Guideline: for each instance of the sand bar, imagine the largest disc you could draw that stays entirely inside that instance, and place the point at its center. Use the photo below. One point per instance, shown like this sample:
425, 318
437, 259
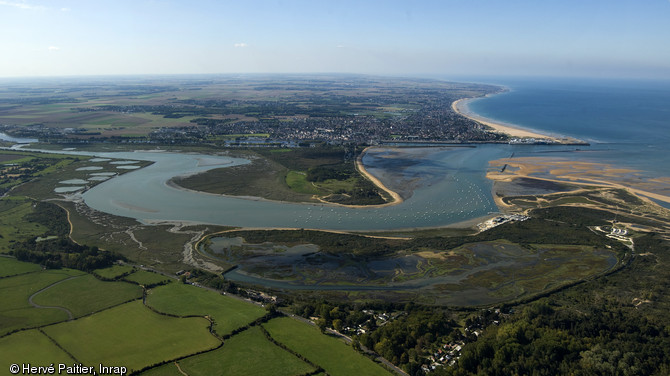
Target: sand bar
572, 172
396, 199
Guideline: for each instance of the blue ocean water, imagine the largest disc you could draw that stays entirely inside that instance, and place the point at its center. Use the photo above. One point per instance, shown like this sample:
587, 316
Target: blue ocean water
627, 122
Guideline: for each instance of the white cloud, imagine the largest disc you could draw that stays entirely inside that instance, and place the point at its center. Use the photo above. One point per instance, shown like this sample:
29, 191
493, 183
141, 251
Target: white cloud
240, 45
64, 9
53, 48
341, 46
21, 5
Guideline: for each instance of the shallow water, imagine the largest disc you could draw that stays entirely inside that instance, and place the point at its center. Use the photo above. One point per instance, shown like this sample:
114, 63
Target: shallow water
450, 187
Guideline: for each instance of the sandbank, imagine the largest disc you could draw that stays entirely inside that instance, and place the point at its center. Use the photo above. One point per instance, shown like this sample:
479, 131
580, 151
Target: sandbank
396, 199
573, 172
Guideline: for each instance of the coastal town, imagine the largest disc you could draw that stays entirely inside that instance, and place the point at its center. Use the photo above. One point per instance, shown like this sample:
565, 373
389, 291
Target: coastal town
269, 112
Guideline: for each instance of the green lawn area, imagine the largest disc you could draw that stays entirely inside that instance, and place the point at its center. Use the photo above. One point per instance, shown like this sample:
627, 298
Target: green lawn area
32, 347
147, 278
114, 271
247, 353
16, 312
133, 336
10, 266
336, 357
297, 181
183, 300
87, 294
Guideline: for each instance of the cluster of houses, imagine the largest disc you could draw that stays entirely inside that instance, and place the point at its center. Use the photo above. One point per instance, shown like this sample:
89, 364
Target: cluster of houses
447, 354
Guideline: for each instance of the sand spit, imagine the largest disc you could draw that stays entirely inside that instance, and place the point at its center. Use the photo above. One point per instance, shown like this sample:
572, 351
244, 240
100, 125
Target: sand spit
395, 197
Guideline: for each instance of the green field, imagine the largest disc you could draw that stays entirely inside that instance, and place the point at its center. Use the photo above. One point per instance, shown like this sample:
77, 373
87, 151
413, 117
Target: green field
32, 347
248, 353
10, 266
322, 350
15, 310
13, 226
297, 181
114, 271
168, 369
87, 294
185, 300
133, 336
147, 278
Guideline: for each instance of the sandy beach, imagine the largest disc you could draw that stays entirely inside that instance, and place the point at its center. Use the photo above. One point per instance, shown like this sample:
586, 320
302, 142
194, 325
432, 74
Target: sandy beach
396, 199
578, 173
460, 107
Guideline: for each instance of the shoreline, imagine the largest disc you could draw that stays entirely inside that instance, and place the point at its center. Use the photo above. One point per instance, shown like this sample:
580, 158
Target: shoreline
460, 107
396, 199
578, 178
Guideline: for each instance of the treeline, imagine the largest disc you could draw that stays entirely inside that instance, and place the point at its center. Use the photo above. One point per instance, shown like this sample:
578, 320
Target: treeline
322, 173
213, 280
64, 253
363, 193
302, 159
60, 252
50, 216
405, 334
614, 325
336, 316
547, 339
408, 340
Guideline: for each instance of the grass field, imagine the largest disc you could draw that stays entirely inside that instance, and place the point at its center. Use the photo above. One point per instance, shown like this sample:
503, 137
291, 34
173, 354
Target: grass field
147, 278
322, 350
169, 369
15, 310
248, 353
184, 300
13, 226
10, 266
87, 294
133, 336
114, 271
32, 347
297, 181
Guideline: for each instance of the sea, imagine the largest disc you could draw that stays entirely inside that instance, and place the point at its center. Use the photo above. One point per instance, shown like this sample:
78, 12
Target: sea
627, 122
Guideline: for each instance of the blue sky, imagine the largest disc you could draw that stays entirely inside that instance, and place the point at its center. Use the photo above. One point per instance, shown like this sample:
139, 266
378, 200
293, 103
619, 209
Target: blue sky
618, 38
